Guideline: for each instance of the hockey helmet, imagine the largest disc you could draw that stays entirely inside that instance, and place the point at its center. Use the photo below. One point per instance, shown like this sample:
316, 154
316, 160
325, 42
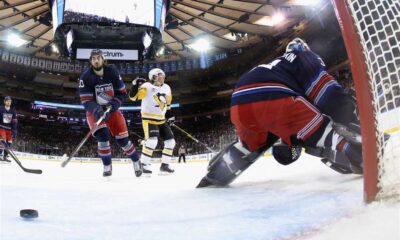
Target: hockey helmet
297, 44
154, 72
96, 52
6, 98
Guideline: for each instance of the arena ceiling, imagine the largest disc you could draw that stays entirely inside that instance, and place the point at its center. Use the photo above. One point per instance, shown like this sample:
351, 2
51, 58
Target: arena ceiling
228, 24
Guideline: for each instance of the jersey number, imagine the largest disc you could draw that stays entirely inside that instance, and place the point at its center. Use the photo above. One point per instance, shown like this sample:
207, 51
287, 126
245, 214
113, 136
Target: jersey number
271, 65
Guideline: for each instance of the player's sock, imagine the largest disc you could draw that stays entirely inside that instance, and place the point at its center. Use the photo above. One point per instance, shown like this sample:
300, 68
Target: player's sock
104, 150
130, 150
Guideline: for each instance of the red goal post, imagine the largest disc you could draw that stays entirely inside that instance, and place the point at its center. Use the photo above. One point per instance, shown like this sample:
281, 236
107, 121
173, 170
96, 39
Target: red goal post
371, 32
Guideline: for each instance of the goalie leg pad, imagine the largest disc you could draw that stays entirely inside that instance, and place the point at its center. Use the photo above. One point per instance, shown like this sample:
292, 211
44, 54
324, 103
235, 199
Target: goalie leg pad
336, 167
337, 161
225, 167
352, 133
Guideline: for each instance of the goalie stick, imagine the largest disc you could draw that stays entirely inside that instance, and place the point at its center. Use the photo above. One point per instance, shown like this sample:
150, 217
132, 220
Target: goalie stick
14, 157
65, 162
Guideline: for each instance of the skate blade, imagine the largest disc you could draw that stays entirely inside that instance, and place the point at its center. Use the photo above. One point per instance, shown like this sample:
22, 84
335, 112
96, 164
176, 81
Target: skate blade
164, 173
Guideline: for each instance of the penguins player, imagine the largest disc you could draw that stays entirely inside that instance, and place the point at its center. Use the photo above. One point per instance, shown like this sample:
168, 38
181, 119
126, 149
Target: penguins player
156, 100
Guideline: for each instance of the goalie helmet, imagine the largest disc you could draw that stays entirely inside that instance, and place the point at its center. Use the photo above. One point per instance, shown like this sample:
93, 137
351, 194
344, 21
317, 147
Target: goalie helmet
154, 72
297, 44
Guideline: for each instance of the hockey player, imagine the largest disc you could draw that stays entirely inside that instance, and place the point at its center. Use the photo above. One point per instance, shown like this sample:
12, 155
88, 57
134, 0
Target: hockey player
286, 99
101, 86
156, 99
8, 127
320, 91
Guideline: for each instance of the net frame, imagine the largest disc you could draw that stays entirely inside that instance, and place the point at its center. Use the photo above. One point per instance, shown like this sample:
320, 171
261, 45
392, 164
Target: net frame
371, 31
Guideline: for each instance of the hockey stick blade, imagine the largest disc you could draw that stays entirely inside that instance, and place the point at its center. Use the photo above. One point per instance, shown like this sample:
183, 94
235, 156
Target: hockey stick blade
14, 157
28, 170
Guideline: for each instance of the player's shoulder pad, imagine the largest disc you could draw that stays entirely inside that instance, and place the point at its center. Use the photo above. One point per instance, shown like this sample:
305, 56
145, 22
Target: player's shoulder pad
112, 68
86, 74
168, 87
146, 85
311, 56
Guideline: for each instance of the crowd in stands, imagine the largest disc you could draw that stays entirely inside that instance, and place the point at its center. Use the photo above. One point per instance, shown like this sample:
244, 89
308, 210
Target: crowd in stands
71, 16
56, 138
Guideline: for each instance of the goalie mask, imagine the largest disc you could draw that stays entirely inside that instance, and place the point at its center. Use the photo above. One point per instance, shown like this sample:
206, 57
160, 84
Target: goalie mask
297, 44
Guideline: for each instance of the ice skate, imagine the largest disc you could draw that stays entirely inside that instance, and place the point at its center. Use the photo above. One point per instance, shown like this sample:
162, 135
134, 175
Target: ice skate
107, 171
165, 169
137, 166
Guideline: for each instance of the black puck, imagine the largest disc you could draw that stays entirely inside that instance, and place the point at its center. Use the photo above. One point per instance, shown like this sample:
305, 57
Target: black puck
28, 213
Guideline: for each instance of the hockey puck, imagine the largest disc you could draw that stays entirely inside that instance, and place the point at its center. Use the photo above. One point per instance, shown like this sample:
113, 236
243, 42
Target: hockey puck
28, 213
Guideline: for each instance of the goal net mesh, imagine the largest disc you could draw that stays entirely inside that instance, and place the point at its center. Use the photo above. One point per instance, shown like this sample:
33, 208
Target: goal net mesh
378, 26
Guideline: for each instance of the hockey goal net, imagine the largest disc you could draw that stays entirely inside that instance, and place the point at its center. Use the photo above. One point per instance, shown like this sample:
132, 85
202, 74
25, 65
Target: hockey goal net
371, 31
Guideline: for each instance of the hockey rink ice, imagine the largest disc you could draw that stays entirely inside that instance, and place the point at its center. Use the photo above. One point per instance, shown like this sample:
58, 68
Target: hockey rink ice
305, 200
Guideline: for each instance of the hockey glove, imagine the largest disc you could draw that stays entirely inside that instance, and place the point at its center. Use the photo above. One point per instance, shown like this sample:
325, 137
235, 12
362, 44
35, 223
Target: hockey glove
115, 103
98, 113
136, 83
14, 134
284, 154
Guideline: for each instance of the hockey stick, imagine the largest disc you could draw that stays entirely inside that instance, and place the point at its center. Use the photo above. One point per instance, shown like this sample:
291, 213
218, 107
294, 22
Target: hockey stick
191, 137
65, 162
137, 135
14, 157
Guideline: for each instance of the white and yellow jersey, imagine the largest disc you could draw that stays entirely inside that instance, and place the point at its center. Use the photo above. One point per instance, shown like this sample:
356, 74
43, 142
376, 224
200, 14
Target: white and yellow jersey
155, 101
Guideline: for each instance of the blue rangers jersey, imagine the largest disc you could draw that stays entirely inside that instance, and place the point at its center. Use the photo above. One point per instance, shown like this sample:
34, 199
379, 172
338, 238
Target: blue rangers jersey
8, 118
97, 90
296, 73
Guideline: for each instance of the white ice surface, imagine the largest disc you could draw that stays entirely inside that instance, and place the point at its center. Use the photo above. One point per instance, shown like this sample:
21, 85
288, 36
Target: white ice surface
305, 200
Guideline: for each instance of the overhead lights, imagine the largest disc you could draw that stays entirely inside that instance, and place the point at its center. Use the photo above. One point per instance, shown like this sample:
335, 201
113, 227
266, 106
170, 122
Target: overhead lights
230, 36
15, 40
54, 48
271, 21
307, 2
201, 45
161, 51
146, 40
277, 18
